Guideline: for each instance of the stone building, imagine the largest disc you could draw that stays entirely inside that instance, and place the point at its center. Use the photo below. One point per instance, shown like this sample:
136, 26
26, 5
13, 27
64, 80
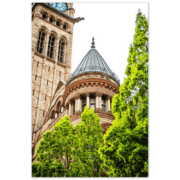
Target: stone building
56, 91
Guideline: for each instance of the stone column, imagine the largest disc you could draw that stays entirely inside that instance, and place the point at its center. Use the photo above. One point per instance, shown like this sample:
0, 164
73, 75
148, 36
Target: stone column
56, 49
87, 100
70, 108
109, 105
46, 44
97, 103
66, 113
62, 109
100, 101
56, 115
106, 104
77, 103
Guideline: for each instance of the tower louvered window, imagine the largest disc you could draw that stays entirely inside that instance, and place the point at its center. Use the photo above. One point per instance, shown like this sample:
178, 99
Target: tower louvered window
40, 42
50, 46
61, 51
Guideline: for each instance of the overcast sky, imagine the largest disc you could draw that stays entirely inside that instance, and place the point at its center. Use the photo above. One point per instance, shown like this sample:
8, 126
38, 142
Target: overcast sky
112, 25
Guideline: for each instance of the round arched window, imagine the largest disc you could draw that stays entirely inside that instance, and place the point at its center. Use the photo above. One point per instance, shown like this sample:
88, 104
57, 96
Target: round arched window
57, 23
64, 26
44, 16
51, 19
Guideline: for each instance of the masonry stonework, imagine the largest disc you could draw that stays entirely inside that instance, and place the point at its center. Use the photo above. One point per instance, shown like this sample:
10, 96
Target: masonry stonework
55, 91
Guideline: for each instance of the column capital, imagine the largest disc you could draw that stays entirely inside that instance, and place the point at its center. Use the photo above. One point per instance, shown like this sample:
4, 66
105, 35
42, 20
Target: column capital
77, 96
69, 102
87, 94
98, 94
109, 97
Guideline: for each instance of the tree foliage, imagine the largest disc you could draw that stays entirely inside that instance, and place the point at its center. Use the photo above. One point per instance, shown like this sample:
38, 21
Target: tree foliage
70, 151
125, 149
89, 138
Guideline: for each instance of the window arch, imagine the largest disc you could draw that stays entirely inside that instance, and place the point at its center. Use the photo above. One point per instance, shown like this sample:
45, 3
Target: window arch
61, 51
51, 46
40, 42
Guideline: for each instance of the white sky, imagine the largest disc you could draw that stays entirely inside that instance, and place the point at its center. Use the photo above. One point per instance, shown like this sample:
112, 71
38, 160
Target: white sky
112, 25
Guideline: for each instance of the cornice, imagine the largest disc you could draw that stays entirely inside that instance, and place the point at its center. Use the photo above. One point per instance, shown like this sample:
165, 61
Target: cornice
87, 81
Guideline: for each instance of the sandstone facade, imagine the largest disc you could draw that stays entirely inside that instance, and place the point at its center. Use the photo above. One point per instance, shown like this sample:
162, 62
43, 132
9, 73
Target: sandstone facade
54, 95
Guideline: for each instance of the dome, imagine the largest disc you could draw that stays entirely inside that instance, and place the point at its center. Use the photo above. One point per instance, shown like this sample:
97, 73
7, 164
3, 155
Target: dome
93, 62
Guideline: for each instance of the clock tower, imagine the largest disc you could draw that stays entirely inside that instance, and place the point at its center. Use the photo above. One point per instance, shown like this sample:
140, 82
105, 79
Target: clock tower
52, 38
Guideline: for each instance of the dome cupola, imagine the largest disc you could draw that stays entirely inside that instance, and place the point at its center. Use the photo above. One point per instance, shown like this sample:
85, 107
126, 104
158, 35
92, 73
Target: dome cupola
93, 62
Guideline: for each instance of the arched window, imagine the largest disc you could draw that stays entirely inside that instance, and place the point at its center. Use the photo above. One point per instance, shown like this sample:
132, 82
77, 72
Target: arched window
53, 115
65, 26
61, 51
51, 19
40, 41
58, 109
57, 23
35, 77
37, 63
50, 46
103, 104
92, 104
83, 103
44, 16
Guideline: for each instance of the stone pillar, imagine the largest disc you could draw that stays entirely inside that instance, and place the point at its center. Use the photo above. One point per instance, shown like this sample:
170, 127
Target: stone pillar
66, 113
100, 101
70, 108
97, 104
46, 44
62, 109
109, 105
77, 103
56, 49
106, 104
87, 100
56, 115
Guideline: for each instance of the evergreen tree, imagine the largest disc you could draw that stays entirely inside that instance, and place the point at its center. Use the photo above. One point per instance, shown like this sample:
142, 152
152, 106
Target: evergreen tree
125, 149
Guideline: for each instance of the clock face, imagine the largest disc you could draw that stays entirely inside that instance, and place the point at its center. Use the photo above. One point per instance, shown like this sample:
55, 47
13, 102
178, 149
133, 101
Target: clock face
59, 6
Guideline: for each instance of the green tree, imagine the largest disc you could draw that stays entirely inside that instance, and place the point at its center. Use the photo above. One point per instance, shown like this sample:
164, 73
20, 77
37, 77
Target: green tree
53, 153
89, 138
125, 150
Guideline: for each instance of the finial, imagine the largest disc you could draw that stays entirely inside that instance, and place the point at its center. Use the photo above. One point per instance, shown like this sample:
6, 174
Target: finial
139, 10
93, 43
